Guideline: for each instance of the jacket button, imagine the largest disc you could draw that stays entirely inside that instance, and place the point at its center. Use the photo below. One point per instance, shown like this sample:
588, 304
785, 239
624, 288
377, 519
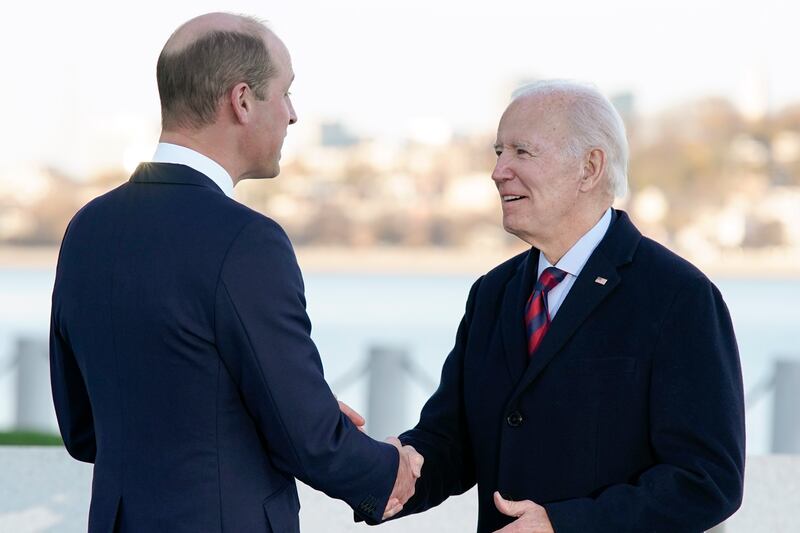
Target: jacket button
514, 419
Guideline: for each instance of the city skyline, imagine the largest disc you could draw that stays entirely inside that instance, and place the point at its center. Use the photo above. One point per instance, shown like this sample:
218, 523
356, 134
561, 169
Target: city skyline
82, 86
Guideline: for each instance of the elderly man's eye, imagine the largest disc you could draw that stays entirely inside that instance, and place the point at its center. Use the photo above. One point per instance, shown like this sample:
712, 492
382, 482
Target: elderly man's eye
522, 151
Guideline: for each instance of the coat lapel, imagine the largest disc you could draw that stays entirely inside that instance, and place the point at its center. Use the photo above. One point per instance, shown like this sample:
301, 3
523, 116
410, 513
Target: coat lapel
512, 319
586, 294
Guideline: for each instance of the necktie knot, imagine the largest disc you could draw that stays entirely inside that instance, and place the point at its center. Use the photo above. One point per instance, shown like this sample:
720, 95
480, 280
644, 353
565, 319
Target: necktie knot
551, 276
537, 316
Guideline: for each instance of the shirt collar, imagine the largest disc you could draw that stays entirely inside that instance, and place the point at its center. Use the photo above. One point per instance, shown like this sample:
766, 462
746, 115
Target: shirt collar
173, 153
577, 256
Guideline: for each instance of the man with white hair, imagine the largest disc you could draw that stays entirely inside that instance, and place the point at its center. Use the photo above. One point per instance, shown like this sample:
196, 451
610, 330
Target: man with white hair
595, 383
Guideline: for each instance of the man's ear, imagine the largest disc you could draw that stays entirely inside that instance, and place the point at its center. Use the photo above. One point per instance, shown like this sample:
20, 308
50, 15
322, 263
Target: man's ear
593, 169
241, 102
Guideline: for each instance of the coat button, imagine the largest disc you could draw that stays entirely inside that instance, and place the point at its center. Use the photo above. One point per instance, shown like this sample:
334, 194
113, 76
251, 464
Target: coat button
514, 419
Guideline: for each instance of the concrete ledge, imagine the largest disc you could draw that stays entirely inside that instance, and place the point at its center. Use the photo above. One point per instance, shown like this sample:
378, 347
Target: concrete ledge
42, 489
771, 496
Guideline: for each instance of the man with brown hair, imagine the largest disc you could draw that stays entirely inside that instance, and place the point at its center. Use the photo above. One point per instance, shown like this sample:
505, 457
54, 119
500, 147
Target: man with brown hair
182, 365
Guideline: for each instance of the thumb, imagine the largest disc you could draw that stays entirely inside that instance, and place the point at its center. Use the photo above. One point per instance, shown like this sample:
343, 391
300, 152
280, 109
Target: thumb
508, 507
394, 441
417, 460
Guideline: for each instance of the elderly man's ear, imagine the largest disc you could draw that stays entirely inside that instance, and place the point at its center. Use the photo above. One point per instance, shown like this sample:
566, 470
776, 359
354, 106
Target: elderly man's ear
594, 168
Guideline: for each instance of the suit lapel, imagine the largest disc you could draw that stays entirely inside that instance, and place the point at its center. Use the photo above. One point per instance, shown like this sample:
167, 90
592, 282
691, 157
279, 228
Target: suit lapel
616, 249
512, 319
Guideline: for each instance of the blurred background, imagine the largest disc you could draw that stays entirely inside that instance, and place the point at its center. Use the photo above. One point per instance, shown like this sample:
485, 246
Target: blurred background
385, 187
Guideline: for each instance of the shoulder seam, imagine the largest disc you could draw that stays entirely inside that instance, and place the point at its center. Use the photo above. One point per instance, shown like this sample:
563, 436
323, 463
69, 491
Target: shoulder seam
219, 272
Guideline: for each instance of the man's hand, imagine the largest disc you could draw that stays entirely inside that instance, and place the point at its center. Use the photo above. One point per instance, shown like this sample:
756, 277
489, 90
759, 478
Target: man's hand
530, 517
353, 415
408, 471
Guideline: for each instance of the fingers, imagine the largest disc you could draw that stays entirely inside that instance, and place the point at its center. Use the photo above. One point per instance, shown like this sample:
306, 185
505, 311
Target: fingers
353, 415
392, 508
508, 507
414, 458
389, 514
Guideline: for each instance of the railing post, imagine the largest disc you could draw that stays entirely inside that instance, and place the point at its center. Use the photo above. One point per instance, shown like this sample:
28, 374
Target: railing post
786, 408
387, 391
34, 398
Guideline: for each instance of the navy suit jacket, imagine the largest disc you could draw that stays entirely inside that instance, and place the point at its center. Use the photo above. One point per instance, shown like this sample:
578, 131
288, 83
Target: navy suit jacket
182, 367
629, 417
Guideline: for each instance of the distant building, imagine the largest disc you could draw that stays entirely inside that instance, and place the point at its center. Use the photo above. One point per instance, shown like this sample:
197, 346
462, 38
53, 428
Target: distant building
625, 104
336, 135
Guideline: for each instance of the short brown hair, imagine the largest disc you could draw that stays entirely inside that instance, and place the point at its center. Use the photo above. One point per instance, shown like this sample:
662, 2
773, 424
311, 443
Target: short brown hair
193, 80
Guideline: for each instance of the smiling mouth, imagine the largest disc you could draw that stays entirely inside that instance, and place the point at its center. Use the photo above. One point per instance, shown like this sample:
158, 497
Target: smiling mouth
508, 198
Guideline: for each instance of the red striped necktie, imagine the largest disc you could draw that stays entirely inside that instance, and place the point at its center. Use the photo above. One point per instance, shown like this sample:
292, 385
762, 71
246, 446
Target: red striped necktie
537, 316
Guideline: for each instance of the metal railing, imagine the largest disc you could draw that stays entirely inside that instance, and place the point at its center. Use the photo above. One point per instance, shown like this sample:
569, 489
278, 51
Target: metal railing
34, 495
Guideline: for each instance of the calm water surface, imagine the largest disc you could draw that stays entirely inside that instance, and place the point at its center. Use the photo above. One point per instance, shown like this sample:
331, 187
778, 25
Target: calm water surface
351, 312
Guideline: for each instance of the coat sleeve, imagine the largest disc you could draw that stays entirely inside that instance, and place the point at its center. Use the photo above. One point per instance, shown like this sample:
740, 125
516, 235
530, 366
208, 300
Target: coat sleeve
696, 430
441, 434
70, 397
263, 335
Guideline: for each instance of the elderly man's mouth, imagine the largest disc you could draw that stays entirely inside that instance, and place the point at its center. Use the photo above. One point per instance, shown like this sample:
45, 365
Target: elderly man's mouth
507, 198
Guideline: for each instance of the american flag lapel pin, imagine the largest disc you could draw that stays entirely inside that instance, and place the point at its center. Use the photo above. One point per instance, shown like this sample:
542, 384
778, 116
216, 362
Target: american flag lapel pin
600, 280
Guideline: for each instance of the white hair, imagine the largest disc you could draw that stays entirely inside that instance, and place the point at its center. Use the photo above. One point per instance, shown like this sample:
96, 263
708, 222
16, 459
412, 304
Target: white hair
594, 122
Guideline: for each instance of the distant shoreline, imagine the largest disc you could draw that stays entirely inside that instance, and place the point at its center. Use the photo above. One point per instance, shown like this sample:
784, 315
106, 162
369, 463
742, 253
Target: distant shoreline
770, 264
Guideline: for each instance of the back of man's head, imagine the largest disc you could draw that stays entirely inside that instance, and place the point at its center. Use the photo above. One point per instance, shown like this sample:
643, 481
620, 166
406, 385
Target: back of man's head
203, 60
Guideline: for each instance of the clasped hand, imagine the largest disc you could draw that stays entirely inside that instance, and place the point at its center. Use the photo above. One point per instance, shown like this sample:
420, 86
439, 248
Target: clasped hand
408, 471
409, 468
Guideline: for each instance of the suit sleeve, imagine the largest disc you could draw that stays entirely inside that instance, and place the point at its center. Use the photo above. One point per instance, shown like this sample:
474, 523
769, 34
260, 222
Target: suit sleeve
263, 335
70, 397
696, 433
441, 434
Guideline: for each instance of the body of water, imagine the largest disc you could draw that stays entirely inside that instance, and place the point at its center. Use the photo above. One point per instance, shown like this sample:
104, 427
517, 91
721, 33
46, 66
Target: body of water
351, 312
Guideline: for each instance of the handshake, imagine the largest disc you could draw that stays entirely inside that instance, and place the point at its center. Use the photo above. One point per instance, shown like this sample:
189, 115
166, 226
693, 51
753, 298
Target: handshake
409, 468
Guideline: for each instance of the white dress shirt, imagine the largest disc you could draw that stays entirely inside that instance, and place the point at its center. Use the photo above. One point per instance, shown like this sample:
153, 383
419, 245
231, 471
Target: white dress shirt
573, 261
173, 153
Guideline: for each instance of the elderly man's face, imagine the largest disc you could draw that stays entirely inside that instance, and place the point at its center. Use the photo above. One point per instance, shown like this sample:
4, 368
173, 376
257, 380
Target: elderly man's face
536, 177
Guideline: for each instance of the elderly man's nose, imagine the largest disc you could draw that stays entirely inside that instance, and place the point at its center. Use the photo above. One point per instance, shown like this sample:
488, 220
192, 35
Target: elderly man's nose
501, 171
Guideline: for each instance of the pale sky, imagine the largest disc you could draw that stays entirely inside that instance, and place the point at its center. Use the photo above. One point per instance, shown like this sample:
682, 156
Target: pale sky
79, 84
